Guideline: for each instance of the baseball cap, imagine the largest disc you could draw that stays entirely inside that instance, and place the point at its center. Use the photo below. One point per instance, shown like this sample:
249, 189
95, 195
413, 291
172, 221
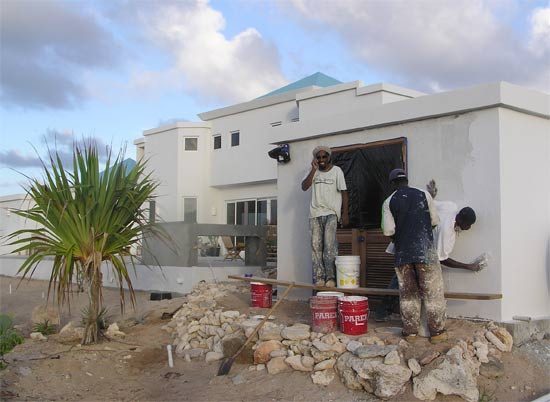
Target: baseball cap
397, 174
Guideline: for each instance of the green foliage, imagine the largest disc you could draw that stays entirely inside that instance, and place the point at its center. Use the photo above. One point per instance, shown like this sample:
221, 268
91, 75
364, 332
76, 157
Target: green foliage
9, 337
85, 217
102, 317
45, 328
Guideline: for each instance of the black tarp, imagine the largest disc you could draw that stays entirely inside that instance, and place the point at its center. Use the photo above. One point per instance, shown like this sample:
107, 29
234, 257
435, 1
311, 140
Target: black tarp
366, 170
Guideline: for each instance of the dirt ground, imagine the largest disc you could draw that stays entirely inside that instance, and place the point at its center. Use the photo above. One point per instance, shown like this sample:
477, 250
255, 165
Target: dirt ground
136, 368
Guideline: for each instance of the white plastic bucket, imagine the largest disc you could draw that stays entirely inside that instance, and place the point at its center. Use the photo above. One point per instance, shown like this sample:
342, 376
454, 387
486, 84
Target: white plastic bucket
347, 271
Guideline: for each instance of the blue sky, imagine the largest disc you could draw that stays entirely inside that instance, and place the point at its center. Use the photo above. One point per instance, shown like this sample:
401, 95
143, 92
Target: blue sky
111, 69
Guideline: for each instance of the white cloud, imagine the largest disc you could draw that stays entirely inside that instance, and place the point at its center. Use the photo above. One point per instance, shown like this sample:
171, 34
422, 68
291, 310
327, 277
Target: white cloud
540, 32
206, 62
47, 46
434, 44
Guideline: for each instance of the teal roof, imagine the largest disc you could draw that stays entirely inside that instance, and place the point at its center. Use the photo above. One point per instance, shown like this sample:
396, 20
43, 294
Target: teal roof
317, 79
128, 163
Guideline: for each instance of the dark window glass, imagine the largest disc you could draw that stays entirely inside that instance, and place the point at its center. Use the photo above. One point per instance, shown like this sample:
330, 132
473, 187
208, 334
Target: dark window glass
273, 218
190, 210
217, 142
231, 213
262, 212
235, 138
191, 144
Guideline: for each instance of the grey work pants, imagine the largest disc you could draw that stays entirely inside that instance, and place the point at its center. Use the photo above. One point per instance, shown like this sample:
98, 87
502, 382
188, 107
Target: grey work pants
323, 247
417, 283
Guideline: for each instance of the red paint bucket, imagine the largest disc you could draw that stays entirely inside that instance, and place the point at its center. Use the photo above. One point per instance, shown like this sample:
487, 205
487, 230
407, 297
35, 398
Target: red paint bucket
354, 312
260, 295
324, 314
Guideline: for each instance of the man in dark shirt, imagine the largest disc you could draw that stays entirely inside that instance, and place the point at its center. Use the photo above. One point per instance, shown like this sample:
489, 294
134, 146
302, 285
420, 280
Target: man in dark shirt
408, 216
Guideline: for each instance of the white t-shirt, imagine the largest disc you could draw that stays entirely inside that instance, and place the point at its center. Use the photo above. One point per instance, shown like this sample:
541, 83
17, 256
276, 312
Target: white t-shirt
326, 196
444, 233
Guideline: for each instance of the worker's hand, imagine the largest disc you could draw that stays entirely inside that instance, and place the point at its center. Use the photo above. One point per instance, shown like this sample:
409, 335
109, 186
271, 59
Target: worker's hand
480, 262
314, 164
345, 220
432, 188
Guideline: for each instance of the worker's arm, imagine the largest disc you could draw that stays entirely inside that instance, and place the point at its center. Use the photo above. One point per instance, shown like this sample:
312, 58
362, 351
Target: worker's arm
431, 207
449, 262
345, 216
477, 265
308, 181
388, 223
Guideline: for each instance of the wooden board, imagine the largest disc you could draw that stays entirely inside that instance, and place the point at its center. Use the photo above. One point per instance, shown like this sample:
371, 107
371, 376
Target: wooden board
366, 291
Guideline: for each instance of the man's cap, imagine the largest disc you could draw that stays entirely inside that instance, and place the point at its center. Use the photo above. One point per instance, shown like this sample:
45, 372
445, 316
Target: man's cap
320, 148
397, 174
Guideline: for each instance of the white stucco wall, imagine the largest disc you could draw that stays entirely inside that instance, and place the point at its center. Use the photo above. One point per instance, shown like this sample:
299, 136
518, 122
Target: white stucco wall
10, 222
525, 179
168, 278
449, 149
180, 173
248, 162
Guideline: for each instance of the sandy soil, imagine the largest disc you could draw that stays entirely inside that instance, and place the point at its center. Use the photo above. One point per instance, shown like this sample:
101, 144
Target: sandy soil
136, 369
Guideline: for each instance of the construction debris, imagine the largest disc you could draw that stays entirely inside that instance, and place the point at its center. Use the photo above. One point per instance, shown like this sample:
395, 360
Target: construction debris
200, 330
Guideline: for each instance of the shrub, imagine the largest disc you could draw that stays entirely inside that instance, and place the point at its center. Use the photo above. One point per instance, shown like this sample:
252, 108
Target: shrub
45, 328
9, 337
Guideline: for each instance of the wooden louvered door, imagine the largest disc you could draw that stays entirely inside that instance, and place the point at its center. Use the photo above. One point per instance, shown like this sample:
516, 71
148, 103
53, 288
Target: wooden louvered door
376, 265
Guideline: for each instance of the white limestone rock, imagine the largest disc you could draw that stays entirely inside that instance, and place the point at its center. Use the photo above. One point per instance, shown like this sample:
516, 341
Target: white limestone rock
296, 332
414, 366
323, 377
277, 365
325, 365
456, 375
300, 363
213, 356
392, 358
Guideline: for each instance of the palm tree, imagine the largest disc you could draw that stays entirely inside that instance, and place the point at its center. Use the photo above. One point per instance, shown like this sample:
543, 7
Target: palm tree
84, 218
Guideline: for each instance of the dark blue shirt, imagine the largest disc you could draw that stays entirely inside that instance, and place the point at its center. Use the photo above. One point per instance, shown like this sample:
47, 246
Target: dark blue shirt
413, 236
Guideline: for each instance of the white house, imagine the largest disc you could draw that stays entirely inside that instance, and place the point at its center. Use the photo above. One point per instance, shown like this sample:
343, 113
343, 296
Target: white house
486, 146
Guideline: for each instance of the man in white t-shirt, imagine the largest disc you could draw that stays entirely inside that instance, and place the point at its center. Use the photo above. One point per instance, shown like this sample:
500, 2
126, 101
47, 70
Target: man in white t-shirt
451, 223
329, 204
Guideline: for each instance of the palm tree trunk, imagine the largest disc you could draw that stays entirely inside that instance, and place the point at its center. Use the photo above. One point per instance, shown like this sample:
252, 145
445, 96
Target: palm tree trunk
91, 332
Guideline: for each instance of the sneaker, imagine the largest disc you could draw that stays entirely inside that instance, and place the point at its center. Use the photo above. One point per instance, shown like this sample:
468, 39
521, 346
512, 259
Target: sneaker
330, 284
320, 283
441, 337
411, 338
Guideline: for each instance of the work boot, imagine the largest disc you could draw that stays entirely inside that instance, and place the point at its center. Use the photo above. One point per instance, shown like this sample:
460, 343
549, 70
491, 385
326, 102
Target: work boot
441, 337
330, 283
320, 283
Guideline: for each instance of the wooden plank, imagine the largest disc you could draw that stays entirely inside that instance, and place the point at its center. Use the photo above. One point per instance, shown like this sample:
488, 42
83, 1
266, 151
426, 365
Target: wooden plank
366, 291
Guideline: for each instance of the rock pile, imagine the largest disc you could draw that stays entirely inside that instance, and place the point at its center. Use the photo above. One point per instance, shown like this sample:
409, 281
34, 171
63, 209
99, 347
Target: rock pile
379, 366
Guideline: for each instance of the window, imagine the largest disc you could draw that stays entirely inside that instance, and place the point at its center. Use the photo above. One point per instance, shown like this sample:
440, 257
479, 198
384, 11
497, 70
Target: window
235, 138
191, 143
190, 210
366, 168
217, 141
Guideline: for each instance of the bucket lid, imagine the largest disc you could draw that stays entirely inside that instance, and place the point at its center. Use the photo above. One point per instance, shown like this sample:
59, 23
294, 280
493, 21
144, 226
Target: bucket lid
353, 299
259, 283
330, 294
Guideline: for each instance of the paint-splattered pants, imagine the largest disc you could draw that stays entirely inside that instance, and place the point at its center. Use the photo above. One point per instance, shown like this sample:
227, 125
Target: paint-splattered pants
323, 247
417, 283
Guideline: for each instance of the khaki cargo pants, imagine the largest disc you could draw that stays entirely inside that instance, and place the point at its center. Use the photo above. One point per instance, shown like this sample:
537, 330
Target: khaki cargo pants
417, 283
